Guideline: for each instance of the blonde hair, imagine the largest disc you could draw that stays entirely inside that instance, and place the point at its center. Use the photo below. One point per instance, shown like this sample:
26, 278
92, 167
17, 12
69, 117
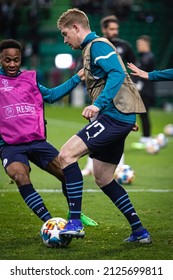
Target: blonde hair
71, 16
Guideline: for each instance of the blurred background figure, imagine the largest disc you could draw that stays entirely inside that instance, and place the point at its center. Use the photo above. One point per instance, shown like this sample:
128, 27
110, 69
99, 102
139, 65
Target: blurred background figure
9, 18
33, 19
146, 62
110, 30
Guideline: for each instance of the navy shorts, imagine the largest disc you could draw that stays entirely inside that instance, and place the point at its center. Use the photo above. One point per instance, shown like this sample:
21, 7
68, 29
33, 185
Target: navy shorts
105, 138
38, 152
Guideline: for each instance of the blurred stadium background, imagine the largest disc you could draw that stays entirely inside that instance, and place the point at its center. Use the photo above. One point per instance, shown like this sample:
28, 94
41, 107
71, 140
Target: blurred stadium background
33, 23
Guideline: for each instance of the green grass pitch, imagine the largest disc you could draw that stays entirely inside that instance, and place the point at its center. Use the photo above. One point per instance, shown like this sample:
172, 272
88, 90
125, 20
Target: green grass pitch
151, 193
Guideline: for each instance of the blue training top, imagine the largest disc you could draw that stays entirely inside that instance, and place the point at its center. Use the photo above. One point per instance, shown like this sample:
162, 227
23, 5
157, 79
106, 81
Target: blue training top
105, 63
161, 75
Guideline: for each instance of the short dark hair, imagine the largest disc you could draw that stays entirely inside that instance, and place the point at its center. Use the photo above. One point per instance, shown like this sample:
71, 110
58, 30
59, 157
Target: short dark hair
146, 38
106, 20
10, 43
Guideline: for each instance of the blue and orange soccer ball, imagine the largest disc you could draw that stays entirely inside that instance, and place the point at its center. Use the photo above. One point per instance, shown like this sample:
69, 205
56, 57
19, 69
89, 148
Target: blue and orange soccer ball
50, 233
124, 174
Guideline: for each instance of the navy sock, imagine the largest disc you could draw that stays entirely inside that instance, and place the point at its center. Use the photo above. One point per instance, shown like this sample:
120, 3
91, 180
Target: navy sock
74, 185
64, 190
120, 198
34, 202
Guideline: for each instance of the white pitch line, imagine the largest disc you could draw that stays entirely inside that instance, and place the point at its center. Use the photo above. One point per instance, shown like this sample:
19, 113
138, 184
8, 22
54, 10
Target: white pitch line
92, 190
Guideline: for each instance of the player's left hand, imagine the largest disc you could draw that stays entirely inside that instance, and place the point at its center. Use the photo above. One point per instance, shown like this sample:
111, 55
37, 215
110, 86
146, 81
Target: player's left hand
90, 112
135, 127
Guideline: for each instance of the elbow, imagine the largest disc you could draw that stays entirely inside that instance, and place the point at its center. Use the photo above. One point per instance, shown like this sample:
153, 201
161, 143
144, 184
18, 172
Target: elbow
121, 74
122, 77
51, 101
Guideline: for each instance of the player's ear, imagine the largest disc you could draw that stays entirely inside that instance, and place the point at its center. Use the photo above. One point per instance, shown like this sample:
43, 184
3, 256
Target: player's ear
75, 27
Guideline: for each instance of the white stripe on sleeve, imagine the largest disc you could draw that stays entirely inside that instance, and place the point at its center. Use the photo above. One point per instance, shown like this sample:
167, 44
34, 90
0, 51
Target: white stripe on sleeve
104, 56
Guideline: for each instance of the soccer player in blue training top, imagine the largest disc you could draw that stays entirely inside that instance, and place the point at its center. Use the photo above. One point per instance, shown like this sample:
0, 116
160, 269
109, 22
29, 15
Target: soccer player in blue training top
104, 137
110, 30
22, 126
156, 75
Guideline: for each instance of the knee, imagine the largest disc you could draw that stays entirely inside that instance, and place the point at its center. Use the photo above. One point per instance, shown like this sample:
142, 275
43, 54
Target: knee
102, 181
20, 177
99, 181
64, 158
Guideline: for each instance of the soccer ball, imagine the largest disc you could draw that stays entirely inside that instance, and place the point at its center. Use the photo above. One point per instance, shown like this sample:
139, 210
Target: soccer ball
124, 174
161, 140
50, 233
168, 129
152, 147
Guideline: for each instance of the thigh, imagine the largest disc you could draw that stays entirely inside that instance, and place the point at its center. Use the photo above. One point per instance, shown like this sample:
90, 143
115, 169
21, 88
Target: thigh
110, 153
16, 164
41, 153
14, 153
103, 132
72, 150
105, 138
